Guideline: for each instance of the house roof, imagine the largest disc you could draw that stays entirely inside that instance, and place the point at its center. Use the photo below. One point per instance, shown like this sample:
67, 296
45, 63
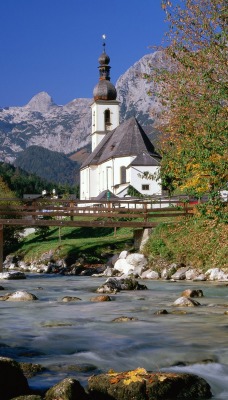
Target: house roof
146, 159
103, 196
128, 139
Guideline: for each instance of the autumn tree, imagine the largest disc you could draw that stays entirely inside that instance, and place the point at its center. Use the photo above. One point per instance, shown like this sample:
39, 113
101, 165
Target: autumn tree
11, 235
194, 93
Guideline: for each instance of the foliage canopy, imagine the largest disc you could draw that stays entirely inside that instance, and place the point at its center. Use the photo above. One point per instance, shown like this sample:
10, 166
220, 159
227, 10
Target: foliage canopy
195, 94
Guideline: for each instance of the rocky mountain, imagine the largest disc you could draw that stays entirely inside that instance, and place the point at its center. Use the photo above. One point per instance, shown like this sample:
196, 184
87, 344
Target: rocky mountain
67, 128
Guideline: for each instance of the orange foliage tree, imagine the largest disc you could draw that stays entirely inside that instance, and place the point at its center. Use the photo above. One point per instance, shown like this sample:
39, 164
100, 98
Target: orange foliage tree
194, 91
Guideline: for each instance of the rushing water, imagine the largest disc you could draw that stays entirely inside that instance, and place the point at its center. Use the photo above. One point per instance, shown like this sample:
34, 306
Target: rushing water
62, 335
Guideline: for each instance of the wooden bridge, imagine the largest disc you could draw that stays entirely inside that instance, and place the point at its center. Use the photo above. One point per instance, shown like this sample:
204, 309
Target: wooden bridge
88, 213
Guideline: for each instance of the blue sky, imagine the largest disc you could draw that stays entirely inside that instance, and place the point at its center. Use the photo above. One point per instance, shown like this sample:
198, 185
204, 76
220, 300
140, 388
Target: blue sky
54, 45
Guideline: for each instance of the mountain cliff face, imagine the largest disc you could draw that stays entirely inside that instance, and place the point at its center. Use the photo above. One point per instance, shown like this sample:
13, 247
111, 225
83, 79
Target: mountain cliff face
133, 89
67, 128
43, 123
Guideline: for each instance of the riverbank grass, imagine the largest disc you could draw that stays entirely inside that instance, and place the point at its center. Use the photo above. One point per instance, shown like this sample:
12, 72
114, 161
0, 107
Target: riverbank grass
201, 243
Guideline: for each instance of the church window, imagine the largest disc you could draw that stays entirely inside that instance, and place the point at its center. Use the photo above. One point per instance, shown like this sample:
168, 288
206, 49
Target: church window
145, 187
107, 119
122, 174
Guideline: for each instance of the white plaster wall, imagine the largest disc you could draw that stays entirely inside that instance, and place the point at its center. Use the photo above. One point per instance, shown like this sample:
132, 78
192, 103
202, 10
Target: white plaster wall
98, 109
96, 179
137, 181
84, 189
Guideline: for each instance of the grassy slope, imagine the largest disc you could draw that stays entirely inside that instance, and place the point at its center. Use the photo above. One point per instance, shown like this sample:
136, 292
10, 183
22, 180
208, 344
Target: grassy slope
197, 242
94, 244
201, 243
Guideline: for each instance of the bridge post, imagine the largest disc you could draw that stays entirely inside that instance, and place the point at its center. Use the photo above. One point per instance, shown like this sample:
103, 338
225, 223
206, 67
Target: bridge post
140, 237
1, 248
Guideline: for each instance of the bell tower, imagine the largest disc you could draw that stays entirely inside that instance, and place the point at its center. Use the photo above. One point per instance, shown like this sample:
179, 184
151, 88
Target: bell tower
105, 108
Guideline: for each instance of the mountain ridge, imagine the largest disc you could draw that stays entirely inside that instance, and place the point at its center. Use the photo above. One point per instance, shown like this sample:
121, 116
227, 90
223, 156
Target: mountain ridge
67, 128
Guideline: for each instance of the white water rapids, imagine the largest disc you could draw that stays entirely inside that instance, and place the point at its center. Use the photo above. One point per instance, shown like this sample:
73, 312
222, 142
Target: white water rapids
61, 335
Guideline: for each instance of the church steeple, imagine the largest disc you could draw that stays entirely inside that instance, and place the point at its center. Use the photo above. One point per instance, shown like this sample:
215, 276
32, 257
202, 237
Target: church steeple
104, 90
105, 108
104, 67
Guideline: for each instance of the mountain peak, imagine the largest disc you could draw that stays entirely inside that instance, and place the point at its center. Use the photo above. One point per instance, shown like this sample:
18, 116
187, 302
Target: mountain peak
41, 102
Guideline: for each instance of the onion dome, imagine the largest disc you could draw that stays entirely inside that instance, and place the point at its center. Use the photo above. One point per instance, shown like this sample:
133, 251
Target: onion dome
104, 59
104, 90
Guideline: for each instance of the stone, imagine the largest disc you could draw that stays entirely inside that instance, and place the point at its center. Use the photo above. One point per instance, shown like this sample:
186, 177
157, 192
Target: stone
12, 275
149, 274
185, 302
124, 319
167, 272
216, 274
191, 274
68, 299
137, 260
30, 370
21, 295
124, 267
110, 272
192, 293
180, 274
200, 278
12, 381
123, 254
114, 285
67, 389
100, 298
161, 312
142, 385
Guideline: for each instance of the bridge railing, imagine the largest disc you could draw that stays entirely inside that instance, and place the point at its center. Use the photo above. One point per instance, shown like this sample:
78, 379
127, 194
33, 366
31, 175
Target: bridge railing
11, 209
81, 213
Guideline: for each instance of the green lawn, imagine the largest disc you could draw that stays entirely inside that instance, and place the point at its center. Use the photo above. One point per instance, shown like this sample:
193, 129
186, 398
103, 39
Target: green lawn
94, 244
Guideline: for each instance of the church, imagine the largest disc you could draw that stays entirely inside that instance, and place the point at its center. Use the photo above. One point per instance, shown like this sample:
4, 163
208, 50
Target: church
122, 155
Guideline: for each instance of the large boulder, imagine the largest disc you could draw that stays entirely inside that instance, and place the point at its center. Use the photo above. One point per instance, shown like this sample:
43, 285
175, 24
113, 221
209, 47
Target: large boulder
67, 389
216, 274
168, 271
192, 293
114, 285
142, 385
185, 302
191, 274
12, 275
149, 274
131, 264
180, 274
20, 295
12, 381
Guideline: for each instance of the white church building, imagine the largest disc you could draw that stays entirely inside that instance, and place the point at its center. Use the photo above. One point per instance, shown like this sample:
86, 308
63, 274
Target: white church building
122, 154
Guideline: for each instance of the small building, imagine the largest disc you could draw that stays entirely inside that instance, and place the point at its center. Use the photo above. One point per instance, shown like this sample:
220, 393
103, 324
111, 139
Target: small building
122, 154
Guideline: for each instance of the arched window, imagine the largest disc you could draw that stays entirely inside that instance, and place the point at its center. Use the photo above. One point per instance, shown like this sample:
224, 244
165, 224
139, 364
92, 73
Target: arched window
122, 174
107, 119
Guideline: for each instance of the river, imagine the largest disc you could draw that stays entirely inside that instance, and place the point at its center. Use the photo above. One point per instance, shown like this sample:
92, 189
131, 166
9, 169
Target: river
62, 335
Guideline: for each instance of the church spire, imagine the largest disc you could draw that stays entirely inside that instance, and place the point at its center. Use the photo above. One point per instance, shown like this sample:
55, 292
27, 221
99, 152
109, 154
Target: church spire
104, 90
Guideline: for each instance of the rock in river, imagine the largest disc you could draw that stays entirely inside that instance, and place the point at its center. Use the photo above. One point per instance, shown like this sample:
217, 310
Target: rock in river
114, 285
20, 295
142, 385
67, 389
12, 275
12, 381
185, 302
